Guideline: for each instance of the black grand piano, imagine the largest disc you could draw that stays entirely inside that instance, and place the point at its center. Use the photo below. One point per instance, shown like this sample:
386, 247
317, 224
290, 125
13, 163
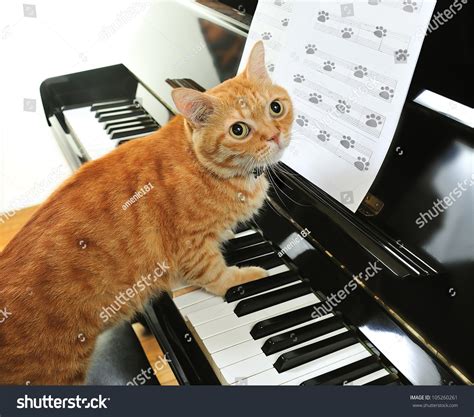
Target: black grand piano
355, 299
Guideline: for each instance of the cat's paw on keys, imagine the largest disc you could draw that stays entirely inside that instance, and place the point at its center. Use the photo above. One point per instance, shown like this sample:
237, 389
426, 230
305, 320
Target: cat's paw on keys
252, 273
236, 276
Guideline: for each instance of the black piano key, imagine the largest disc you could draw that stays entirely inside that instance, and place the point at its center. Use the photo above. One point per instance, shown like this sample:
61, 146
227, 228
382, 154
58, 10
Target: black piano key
283, 321
121, 115
248, 253
347, 373
390, 379
268, 261
242, 242
145, 118
272, 298
314, 351
303, 334
255, 287
188, 82
129, 124
115, 109
111, 104
133, 132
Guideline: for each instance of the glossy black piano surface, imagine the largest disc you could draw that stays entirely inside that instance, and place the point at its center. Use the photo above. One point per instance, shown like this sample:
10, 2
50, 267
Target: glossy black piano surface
417, 311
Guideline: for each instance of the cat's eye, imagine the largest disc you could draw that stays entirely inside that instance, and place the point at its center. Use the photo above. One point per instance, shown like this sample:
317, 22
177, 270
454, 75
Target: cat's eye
239, 130
276, 108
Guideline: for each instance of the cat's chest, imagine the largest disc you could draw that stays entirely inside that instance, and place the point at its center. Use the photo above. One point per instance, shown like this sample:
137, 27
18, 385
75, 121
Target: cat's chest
249, 197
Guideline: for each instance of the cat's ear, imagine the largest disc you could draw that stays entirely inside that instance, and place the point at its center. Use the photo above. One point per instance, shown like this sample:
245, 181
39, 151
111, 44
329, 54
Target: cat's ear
256, 69
195, 106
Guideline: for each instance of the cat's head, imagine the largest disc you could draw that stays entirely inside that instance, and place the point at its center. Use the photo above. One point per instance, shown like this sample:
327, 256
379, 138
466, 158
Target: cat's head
242, 124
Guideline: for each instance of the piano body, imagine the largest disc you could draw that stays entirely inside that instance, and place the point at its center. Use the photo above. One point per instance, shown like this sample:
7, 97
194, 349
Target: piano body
364, 298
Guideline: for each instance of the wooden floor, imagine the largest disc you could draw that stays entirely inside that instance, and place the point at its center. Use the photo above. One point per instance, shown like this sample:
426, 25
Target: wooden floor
10, 226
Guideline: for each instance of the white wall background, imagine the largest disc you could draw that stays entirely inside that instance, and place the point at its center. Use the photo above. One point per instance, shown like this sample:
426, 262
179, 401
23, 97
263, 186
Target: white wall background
40, 39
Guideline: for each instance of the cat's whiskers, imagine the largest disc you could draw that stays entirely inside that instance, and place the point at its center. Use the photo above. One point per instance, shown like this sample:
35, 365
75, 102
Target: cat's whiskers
272, 169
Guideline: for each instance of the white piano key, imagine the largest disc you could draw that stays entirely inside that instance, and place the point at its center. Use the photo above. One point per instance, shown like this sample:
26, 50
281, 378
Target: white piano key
244, 233
312, 374
113, 109
231, 321
368, 378
223, 309
89, 132
191, 298
277, 270
304, 372
239, 334
251, 347
127, 124
200, 306
260, 363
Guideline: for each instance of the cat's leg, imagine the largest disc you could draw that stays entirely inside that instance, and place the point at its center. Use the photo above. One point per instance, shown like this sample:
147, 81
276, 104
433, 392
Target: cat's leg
207, 268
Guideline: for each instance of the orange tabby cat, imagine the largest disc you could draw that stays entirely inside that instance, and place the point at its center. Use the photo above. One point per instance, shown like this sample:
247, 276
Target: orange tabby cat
94, 239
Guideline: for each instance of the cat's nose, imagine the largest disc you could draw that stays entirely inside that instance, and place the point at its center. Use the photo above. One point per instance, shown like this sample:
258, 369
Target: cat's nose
275, 138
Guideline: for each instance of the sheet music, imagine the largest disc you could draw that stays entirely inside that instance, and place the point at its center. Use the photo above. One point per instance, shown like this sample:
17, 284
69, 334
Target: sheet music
347, 66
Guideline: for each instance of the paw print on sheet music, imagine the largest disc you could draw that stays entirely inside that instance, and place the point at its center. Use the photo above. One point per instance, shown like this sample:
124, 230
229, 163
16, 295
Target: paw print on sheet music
343, 107
347, 142
266, 36
373, 120
279, 2
409, 6
401, 56
284, 22
380, 31
360, 71
315, 98
323, 136
374, 2
298, 78
302, 121
361, 164
323, 16
386, 92
271, 67
310, 48
347, 33
328, 66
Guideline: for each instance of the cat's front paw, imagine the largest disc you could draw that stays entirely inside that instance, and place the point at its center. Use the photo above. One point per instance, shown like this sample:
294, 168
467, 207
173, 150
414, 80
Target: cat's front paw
252, 273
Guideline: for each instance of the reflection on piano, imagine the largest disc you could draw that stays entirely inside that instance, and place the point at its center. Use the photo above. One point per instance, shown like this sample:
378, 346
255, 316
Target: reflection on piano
317, 319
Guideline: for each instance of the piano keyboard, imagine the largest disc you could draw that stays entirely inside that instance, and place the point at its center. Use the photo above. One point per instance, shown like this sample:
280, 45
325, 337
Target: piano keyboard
99, 128
264, 333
